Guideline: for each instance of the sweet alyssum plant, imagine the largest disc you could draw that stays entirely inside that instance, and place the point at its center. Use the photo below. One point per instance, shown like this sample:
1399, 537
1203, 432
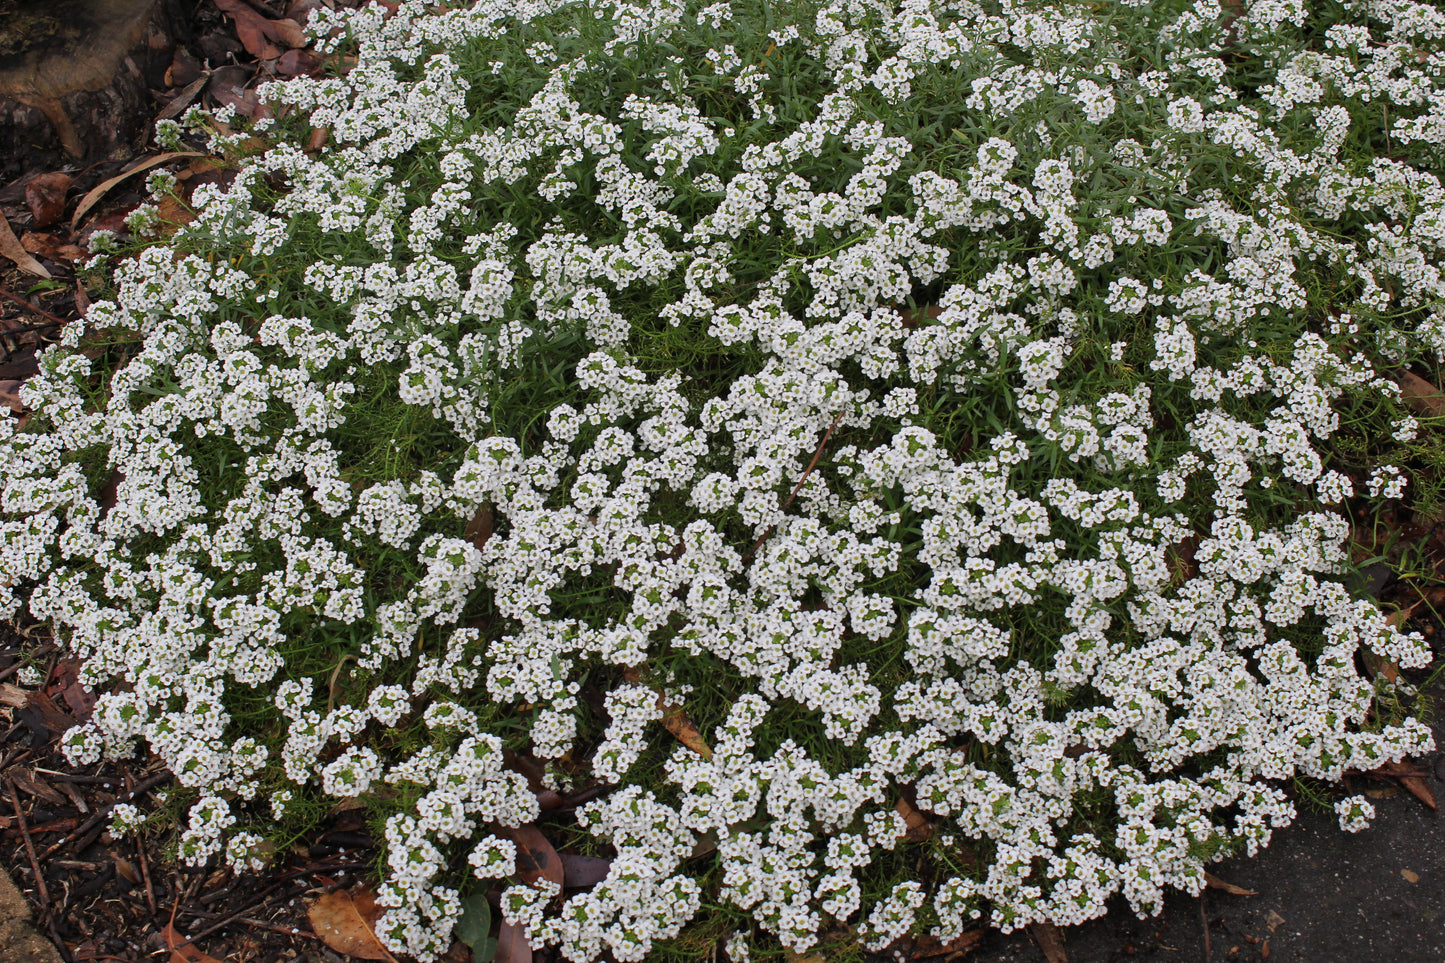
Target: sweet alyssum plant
934, 396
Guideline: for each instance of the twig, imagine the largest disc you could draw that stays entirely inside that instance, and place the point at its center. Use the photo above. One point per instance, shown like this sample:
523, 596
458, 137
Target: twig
9, 761
237, 916
29, 849
94, 821
799, 486
145, 875
32, 308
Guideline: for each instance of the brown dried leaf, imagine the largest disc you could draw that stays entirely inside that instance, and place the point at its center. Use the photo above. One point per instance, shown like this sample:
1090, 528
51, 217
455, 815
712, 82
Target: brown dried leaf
927, 947
1050, 941
479, 529
10, 247
1420, 394
10, 396
918, 827
294, 63
172, 215
346, 922
127, 871
101, 189
536, 859
1412, 780
256, 32
51, 246
512, 945
581, 872
1214, 882
45, 196
181, 951
677, 723
28, 781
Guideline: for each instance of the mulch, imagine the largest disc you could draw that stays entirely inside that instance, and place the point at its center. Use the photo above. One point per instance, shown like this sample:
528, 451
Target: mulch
103, 898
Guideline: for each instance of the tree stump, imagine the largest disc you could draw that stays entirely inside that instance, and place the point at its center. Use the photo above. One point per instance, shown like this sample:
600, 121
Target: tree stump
78, 74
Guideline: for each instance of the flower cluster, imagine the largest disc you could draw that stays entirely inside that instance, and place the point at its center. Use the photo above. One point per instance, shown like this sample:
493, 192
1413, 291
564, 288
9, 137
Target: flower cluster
925, 399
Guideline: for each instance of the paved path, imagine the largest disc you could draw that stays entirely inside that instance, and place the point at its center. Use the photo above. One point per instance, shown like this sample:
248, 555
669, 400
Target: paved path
19, 941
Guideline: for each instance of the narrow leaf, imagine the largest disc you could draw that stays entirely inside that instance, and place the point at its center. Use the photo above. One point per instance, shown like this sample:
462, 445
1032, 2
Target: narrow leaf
11, 247
103, 188
1420, 394
1214, 882
181, 951
683, 729
1050, 941
1411, 780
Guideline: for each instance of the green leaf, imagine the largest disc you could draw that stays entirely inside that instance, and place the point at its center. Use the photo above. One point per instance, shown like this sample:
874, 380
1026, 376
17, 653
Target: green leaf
475, 927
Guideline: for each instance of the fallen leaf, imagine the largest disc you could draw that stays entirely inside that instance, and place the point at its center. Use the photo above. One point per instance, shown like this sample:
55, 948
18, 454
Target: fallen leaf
675, 721
1050, 941
536, 859
346, 922
52, 246
1420, 394
1214, 882
927, 947
512, 945
1274, 920
1411, 779
1378, 665
10, 247
103, 188
127, 870
80, 699
172, 214
45, 196
256, 32
479, 529
10, 398
918, 828
1264, 950
1410, 876
581, 872
182, 951
295, 63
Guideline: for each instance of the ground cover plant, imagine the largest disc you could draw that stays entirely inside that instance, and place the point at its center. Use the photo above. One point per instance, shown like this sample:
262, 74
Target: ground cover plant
939, 401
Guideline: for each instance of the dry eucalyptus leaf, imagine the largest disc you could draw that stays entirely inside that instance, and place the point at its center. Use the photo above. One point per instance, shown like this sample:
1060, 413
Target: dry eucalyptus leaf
346, 922
1214, 882
10, 247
